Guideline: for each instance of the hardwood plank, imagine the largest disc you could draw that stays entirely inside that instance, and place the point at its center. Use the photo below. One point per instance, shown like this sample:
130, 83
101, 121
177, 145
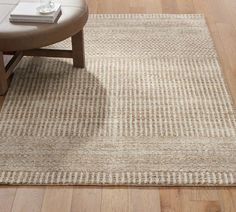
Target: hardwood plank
57, 199
233, 193
28, 199
86, 199
227, 202
140, 6
223, 34
118, 7
228, 44
92, 5
185, 6
136, 6
227, 35
203, 206
219, 11
155, 6
169, 6
115, 200
203, 194
170, 200
198, 6
231, 6
7, 196
114, 6
199, 199
144, 200
104, 6
135, 10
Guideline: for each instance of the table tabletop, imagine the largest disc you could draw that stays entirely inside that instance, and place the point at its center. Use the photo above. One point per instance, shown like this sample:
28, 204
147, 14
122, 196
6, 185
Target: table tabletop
73, 13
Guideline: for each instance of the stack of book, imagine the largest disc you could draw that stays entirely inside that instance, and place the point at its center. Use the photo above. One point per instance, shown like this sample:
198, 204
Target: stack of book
30, 12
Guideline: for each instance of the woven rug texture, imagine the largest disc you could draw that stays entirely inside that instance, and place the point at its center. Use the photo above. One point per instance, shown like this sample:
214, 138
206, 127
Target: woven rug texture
150, 108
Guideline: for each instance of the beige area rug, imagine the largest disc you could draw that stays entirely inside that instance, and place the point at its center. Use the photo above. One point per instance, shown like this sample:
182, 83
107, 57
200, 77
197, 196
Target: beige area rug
151, 108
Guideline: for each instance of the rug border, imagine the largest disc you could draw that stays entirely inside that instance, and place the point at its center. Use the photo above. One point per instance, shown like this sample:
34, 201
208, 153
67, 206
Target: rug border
160, 178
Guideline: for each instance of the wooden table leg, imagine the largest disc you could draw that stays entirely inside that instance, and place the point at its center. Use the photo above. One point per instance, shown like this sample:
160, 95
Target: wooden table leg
3, 76
78, 50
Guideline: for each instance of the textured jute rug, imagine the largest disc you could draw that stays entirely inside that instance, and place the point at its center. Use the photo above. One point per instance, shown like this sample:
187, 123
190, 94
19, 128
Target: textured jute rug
151, 108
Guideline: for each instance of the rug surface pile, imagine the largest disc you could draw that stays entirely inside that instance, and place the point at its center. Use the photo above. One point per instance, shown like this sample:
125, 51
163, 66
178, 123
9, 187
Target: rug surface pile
150, 108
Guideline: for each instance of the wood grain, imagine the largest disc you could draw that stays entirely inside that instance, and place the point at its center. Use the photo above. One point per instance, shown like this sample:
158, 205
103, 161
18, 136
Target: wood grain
57, 199
114, 199
7, 196
82, 197
144, 200
28, 199
221, 18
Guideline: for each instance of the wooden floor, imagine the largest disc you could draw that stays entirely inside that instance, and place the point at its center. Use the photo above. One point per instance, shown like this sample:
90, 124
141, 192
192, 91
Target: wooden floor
221, 17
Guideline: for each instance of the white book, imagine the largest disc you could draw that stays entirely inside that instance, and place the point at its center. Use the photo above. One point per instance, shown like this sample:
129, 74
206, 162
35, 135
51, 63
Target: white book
29, 12
22, 20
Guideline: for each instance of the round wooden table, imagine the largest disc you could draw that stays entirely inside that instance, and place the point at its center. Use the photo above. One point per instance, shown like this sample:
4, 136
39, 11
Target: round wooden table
26, 39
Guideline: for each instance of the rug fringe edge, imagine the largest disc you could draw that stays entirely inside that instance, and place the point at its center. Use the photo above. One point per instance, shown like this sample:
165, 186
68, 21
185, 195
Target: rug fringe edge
159, 178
